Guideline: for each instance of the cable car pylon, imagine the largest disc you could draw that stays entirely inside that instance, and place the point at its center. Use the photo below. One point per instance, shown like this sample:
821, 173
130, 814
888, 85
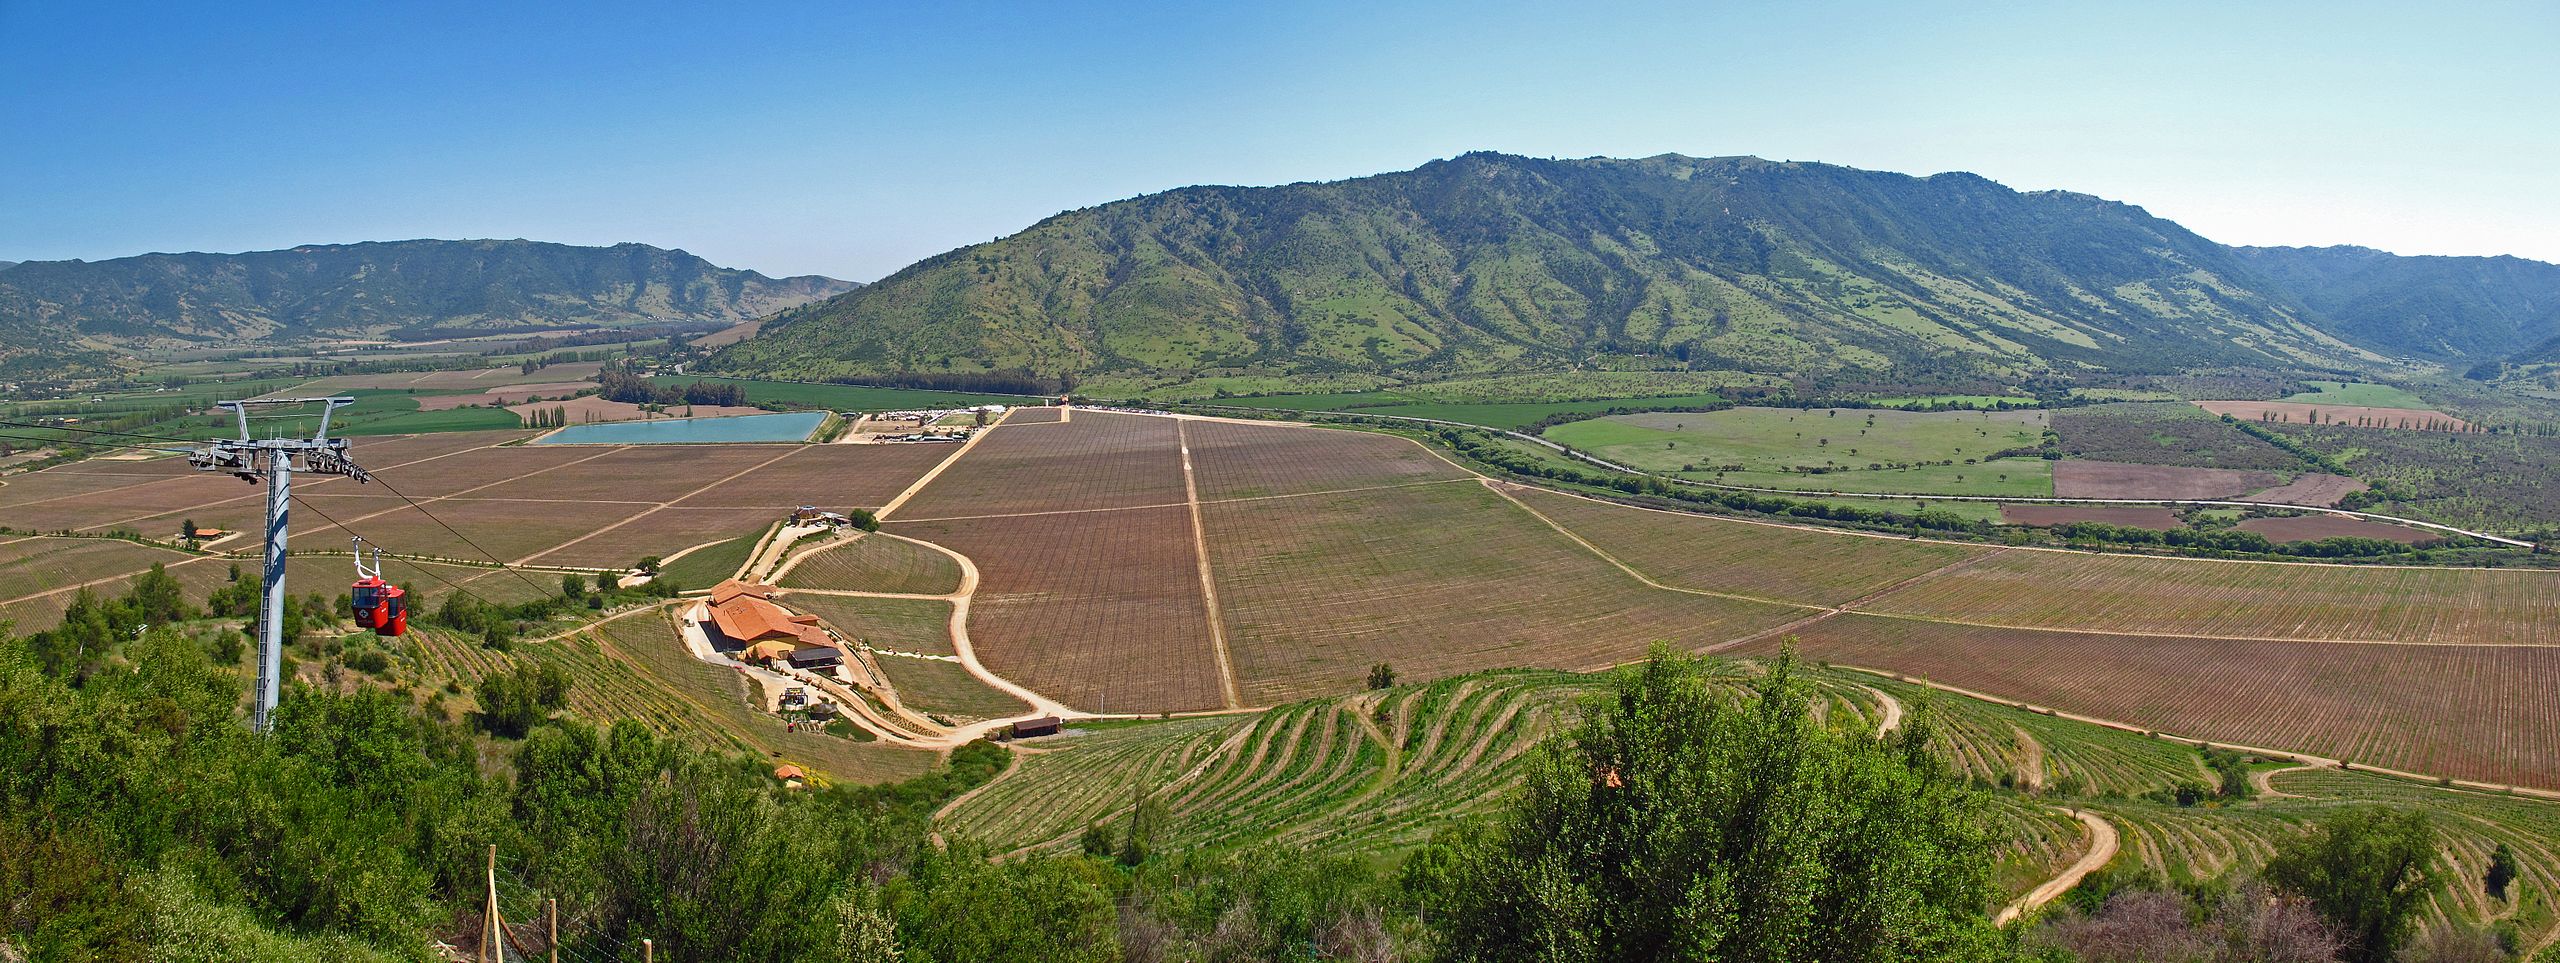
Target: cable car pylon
275, 460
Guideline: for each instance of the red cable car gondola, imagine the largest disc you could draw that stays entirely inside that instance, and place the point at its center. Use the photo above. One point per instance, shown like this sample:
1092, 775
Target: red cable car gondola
376, 604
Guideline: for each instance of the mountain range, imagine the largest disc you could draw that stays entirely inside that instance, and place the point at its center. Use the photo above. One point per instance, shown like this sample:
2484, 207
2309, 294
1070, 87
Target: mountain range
399, 289
1490, 262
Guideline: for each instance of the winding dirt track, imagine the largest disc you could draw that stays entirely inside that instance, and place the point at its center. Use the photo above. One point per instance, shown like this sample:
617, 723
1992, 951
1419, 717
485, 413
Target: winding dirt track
2102, 848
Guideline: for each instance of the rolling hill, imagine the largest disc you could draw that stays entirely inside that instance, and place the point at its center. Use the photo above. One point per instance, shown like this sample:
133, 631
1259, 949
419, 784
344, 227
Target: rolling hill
404, 289
1491, 262
2433, 307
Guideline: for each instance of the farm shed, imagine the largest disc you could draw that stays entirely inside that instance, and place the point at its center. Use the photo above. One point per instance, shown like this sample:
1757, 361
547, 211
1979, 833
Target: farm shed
1043, 726
817, 657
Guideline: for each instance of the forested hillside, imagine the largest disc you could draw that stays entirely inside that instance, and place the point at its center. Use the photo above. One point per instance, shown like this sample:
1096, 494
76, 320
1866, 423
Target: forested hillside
1493, 262
2434, 307
421, 288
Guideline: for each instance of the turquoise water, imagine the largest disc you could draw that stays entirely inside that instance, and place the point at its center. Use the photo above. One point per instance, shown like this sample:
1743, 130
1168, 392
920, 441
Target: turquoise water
792, 426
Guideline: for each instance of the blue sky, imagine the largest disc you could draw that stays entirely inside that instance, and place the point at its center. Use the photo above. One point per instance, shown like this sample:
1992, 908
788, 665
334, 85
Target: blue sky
851, 139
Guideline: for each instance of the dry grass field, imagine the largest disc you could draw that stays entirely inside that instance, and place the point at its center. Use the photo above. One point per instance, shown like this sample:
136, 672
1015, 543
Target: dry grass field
1744, 558
1100, 610
874, 563
1437, 580
2472, 712
2125, 593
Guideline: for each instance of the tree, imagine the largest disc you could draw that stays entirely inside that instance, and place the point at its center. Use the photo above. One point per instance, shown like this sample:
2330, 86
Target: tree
2502, 871
1674, 824
2368, 871
864, 519
648, 566
512, 702
573, 585
1382, 676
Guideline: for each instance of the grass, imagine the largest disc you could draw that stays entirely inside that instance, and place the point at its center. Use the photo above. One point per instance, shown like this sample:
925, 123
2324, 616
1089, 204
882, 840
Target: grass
946, 690
2002, 478
798, 394
1857, 450
1955, 401
1509, 416
877, 563
2357, 393
709, 566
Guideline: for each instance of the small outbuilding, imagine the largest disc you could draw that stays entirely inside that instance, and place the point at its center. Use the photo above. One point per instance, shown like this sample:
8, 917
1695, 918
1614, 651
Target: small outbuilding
1043, 726
816, 657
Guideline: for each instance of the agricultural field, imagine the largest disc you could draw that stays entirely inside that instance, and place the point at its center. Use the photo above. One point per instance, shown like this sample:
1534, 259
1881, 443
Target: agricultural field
2312, 528
1098, 460
2472, 712
1346, 774
1504, 415
1102, 610
2091, 592
875, 563
1236, 460
802, 394
1780, 563
1437, 579
2502, 482
2173, 434
2355, 393
1827, 449
2079, 478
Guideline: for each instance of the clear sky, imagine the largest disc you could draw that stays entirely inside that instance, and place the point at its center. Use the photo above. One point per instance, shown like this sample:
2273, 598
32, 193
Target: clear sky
851, 139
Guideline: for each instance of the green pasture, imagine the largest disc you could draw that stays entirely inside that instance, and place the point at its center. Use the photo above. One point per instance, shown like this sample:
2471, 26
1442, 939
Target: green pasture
2356, 393
1774, 448
800, 394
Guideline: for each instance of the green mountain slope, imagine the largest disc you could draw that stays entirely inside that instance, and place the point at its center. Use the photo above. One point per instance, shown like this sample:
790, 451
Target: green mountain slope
2434, 307
405, 288
1490, 262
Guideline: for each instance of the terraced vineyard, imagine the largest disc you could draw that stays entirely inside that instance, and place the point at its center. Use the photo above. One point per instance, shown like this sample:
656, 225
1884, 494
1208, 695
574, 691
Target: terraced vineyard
1367, 772
2468, 711
634, 668
2011, 746
1057, 787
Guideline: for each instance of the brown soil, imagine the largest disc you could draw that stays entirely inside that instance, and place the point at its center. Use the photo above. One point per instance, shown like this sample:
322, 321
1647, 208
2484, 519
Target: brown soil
2129, 516
2073, 478
2323, 491
2310, 528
